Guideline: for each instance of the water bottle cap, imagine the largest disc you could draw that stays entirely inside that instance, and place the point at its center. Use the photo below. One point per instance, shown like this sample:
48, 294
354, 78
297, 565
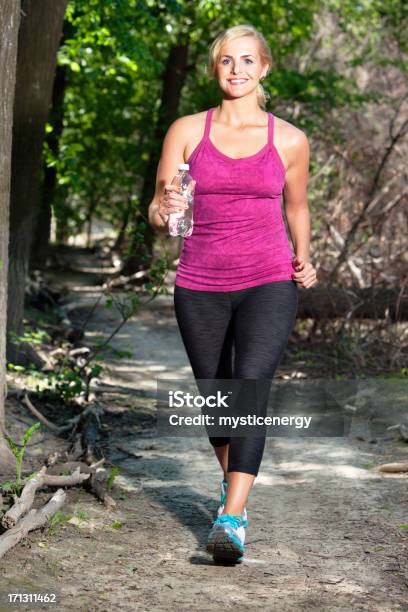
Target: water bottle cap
184, 167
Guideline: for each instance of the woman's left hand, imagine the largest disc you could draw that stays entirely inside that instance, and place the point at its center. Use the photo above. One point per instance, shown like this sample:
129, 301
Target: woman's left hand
305, 274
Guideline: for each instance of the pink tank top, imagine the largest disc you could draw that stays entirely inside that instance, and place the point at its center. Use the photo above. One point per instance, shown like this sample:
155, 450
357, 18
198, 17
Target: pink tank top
239, 238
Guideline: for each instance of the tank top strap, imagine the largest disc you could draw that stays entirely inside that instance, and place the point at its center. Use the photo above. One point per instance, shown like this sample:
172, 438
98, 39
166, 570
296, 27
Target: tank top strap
271, 121
208, 123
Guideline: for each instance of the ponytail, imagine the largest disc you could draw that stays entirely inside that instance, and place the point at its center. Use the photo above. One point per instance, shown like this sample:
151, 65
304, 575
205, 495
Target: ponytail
262, 96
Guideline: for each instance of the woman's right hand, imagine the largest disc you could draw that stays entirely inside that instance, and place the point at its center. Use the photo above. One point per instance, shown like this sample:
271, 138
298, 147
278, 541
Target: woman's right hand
171, 201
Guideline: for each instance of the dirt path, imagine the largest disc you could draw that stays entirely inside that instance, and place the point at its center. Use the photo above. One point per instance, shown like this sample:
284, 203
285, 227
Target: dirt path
323, 531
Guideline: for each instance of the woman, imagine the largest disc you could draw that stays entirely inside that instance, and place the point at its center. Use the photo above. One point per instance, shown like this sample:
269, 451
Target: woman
237, 279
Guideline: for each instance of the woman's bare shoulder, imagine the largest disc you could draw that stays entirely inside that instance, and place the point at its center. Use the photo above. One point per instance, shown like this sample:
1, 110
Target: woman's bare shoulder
188, 130
188, 124
285, 133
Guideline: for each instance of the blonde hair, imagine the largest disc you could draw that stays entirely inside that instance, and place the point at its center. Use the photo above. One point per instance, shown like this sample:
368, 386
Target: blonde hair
236, 32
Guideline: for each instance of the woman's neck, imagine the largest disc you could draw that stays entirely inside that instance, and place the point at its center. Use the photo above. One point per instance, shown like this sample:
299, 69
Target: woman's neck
239, 113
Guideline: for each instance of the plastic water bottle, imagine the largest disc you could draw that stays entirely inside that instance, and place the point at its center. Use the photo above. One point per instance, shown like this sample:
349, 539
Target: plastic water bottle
181, 223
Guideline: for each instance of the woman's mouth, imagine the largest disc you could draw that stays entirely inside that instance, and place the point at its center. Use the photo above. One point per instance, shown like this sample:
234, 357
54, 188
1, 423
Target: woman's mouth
237, 81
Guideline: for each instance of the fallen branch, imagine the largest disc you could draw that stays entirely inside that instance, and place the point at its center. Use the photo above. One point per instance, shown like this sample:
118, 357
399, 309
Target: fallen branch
402, 430
83, 430
393, 468
23, 503
56, 456
368, 303
25, 400
33, 520
73, 465
87, 423
97, 483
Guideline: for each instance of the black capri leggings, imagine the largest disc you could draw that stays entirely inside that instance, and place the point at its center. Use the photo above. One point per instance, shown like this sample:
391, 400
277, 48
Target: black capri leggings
257, 321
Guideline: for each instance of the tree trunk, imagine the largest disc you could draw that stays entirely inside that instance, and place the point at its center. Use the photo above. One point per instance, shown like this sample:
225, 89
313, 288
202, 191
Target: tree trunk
40, 245
174, 78
9, 22
120, 239
38, 41
93, 202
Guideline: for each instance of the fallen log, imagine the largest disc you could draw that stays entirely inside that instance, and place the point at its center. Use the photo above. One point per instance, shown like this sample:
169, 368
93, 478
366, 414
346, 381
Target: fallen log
33, 520
394, 468
23, 503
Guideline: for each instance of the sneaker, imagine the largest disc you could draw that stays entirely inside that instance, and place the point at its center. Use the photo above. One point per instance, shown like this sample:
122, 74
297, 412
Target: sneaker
227, 538
223, 499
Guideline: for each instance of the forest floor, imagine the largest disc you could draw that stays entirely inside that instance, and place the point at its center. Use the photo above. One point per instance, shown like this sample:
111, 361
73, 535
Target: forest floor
326, 530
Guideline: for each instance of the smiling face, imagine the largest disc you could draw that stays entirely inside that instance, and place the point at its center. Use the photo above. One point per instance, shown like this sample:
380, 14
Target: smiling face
239, 66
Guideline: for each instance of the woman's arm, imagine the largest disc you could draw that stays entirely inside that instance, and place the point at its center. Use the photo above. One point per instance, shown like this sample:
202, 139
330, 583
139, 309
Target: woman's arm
296, 206
166, 199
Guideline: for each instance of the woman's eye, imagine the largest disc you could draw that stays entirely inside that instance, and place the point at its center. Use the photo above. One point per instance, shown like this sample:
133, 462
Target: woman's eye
226, 60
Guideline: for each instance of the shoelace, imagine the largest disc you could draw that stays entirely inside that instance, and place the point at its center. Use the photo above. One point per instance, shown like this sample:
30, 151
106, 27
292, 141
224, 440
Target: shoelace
235, 520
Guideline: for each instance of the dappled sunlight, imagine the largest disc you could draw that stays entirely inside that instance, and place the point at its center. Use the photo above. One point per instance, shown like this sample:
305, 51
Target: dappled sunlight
346, 471
279, 479
128, 483
345, 451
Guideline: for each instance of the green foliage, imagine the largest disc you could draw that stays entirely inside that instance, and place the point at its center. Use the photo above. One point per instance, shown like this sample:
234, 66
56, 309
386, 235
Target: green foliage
15, 367
157, 273
58, 519
71, 379
19, 452
83, 515
30, 336
108, 69
114, 55
113, 472
66, 383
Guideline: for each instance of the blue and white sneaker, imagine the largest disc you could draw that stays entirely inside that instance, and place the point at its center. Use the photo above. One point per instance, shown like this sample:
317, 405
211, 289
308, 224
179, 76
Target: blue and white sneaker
226, 539
223, 499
